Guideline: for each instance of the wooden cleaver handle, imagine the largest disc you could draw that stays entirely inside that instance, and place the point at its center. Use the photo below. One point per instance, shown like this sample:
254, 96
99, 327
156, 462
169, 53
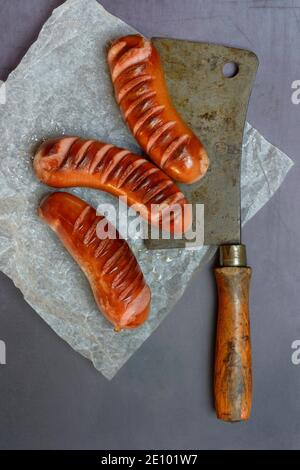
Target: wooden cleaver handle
233, 374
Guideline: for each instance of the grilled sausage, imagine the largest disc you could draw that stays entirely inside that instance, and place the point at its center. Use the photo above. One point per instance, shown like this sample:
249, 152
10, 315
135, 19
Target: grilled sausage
142, 94
71, 161
115, 277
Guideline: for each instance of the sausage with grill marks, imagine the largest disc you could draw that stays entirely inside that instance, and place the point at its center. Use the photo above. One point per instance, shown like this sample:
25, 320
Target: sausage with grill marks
114, 275
72, 161
142, 95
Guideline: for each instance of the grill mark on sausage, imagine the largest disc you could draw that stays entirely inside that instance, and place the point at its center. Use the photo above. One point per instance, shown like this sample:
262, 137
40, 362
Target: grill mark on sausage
91, 234
125, 287
131, 57
159, 199
87, 158
171, 149
131, 73
75, 159
154, 123
111, 264
142, 177
157, 134
78, 224
123, 274
164, 141
132, 288
66, 154
125, 293
122, 266
139, 100
156, 190
71, 155
130, 85
118, 171
84, 160
104, 162
116, 160
180, 155
103, 247
138, 91
154, 111
169, 201
145, 186
123, 181
134, 176
144, 106
98, 157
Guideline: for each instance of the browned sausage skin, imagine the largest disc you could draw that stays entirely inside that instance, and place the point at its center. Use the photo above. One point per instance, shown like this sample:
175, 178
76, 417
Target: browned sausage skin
71, 161
142, 94
112, 270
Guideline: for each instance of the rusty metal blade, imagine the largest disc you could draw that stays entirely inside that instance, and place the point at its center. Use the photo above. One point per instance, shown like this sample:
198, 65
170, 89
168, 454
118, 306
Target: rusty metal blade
215, 108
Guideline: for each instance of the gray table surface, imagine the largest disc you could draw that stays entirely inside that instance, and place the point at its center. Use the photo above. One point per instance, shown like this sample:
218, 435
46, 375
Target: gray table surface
53, 398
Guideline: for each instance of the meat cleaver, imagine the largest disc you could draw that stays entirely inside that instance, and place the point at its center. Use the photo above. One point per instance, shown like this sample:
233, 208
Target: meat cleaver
214, 102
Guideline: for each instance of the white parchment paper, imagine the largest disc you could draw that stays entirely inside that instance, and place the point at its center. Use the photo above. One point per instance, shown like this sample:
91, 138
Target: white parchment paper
62, 86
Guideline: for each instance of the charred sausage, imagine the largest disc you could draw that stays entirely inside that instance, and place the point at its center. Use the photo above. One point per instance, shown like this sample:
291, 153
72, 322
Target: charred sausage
71, 161
112, 270
142, 95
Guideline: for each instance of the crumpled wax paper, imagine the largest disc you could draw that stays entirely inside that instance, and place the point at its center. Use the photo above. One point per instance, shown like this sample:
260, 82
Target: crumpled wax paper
62, 86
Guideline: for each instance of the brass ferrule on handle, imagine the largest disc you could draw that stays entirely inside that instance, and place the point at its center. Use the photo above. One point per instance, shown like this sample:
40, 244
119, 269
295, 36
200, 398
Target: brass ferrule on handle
233, 255
233, 371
